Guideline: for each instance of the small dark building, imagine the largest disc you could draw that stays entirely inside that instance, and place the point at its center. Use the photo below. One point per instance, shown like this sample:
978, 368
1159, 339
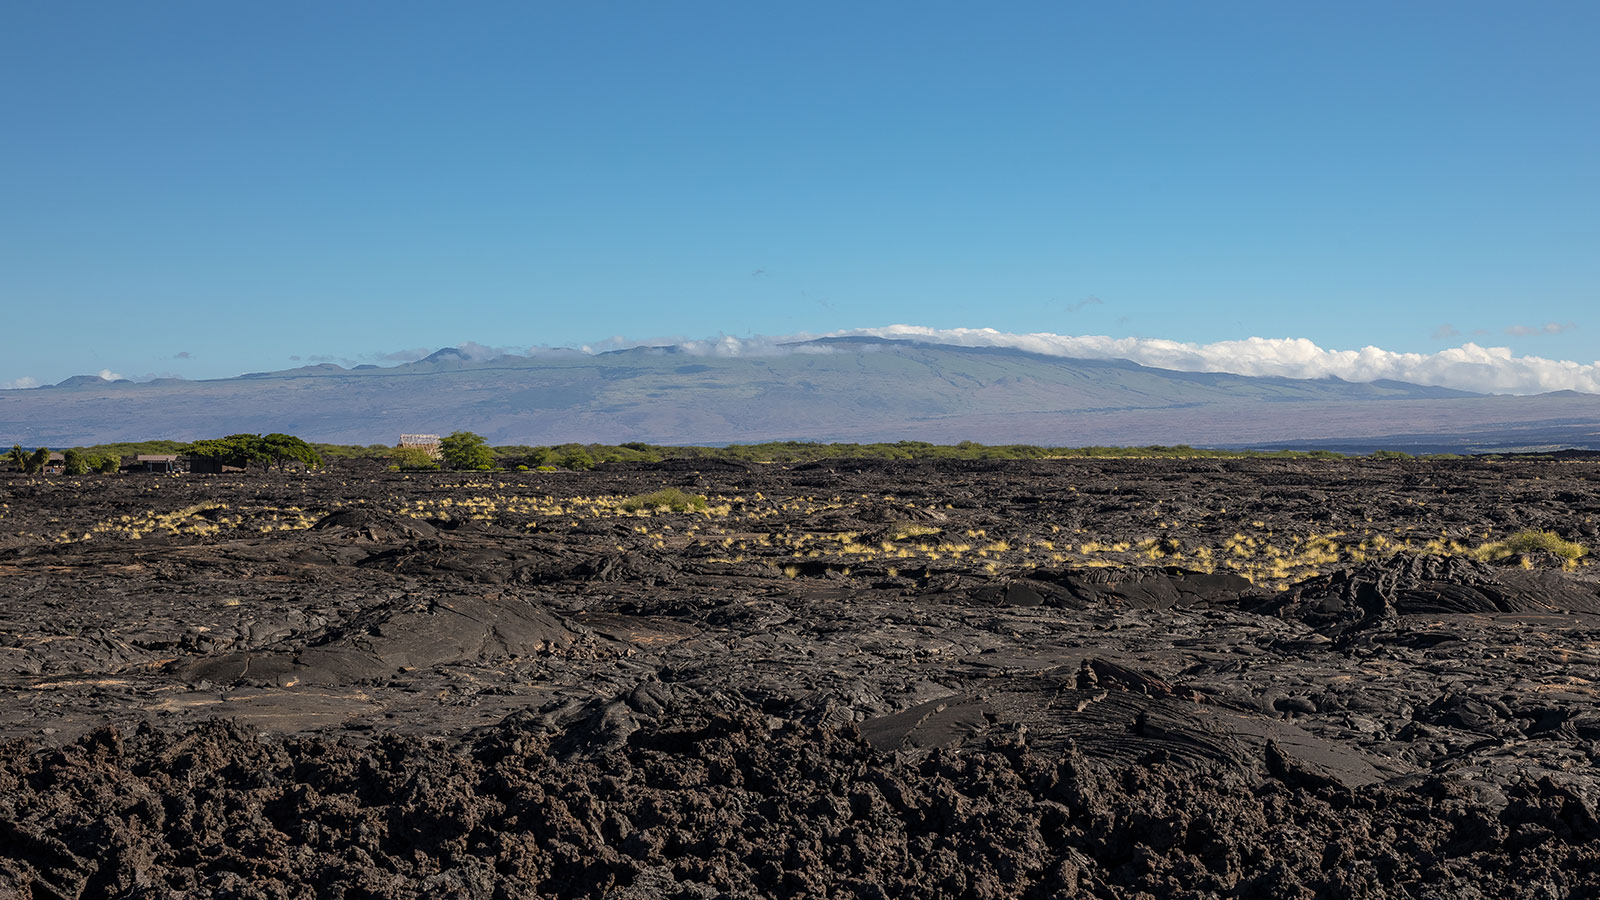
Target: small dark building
156, 462
210, 465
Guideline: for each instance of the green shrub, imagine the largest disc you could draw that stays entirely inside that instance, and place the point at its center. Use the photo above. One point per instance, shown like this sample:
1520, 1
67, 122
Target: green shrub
352, 451
73, 462
106, 465
411, 459
467, 451
533, 457
671, 499
283, 449
577, 460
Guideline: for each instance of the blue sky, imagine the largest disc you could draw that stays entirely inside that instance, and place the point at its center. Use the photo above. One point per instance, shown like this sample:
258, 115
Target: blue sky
203, 189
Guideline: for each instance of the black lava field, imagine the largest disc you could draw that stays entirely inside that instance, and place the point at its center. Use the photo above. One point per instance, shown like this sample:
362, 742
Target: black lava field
1059, 678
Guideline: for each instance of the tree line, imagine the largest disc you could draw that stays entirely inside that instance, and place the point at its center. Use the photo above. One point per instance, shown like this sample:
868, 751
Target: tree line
464, 450
238, 450
73, 461
467, 451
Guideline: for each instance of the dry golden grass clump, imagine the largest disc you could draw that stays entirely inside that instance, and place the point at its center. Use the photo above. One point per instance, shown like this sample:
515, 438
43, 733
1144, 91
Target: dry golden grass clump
666, 499
1525, 542
784, 531
200, 519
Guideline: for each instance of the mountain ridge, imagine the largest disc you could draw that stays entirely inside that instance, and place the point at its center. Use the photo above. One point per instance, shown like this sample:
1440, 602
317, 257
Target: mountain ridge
850, 388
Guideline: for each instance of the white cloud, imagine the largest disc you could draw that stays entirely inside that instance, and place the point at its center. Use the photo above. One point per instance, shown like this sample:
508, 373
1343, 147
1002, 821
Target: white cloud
17, 384
109, 375
482, 352
1469, 367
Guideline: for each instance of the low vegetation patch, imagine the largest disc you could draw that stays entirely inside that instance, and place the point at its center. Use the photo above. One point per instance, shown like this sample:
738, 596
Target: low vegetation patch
412, 459
671, 499
587, 456
1525, 542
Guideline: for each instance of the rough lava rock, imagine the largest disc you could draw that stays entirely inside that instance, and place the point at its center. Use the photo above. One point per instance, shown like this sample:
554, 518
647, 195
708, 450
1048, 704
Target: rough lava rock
1111, 679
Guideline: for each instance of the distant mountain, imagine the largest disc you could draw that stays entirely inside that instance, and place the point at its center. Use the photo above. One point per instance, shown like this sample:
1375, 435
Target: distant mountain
845, 389
85, 380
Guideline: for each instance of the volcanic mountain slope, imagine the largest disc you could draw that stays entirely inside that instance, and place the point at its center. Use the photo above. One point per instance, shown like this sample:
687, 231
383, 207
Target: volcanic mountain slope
831, 389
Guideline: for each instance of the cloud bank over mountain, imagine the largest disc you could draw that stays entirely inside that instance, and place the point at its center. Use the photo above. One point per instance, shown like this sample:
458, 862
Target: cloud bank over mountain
1470, 367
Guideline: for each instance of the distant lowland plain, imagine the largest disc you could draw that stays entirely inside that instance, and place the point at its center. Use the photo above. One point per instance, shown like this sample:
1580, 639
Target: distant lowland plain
858, 389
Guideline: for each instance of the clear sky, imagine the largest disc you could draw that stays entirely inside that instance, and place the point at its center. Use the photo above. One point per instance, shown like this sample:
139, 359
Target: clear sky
202, 189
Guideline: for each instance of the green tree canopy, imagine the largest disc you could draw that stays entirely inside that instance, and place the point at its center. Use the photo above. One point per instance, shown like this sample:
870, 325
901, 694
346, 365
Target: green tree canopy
465, 450
284, 449
73, 462
245, 450
578, 459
